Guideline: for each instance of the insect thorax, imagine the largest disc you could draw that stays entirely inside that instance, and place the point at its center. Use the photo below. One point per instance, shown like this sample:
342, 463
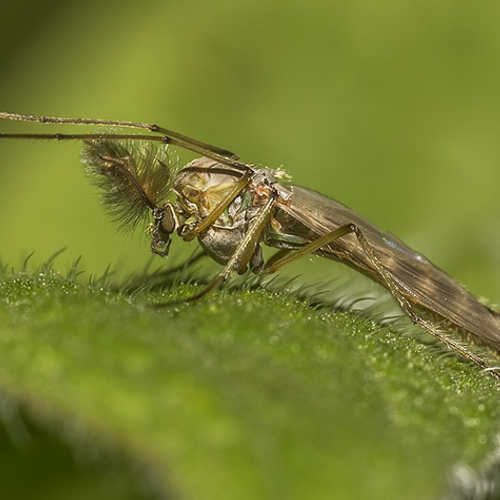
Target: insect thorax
203, 184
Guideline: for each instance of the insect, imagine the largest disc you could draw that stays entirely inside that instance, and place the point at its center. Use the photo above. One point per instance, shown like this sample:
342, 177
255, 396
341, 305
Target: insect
234, 208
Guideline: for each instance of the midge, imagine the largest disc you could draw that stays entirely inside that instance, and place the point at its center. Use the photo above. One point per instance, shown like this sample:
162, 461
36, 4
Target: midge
233, 208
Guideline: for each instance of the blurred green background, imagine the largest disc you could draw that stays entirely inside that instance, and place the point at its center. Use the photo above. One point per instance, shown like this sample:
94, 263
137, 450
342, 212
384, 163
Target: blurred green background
391, 107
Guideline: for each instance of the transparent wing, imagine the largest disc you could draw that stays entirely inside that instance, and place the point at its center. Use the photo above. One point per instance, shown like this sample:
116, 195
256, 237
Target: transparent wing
417, 278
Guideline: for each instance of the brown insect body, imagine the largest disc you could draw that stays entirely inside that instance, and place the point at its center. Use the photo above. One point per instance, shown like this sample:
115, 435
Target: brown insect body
233, 208
420, 281
306, 215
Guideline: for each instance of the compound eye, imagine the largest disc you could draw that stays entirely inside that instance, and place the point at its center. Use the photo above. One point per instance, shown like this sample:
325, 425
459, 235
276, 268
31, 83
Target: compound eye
168, 222
165, 219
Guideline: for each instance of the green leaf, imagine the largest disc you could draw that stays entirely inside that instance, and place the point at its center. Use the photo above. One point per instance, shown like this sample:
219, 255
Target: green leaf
249, 394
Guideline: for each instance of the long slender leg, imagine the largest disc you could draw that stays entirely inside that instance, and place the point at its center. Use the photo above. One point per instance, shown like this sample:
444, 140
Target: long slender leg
415, 318
241, 255
284, 258
115, 123
165, 139
164, 135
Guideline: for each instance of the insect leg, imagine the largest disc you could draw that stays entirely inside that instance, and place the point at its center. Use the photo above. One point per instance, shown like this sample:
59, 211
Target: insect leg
405, 304
116, 123
241, 256
163, 135
283, 258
